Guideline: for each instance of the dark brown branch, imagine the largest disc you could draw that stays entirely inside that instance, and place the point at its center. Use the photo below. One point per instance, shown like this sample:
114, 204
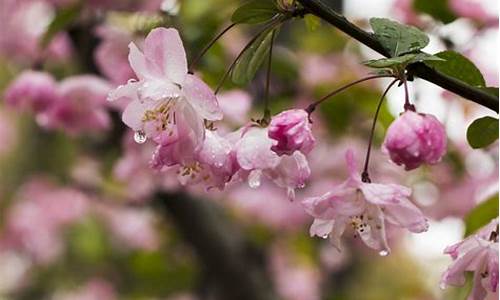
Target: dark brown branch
235, 267
321, 9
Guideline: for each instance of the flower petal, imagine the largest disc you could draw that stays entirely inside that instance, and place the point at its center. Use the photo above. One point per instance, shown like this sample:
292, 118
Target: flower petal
202, 98
163, 46
133, 114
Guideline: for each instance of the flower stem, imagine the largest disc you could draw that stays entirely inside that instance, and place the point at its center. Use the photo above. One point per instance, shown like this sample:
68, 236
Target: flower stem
408, 105
267, 113
364, 176
208, 46
312, 106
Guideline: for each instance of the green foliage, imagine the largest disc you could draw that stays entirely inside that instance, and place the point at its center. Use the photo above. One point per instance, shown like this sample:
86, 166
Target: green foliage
64, 17
312, 22
252, 58
438, 9
457, 66
254, 12
481, 215
403, 60
482, 132
397, 38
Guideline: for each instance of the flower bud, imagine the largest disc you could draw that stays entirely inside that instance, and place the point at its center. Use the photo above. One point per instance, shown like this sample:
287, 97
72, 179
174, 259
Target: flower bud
292, 130
414, 139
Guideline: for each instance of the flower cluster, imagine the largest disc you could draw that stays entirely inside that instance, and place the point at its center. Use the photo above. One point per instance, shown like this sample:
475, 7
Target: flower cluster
76, 104
174, 109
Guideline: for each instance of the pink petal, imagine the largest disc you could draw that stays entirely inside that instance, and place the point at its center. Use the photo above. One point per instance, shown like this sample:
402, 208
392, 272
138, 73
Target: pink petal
381, 194
351, 164
158, 90
133, 114
163, 46
128, 90
253, 150
202, 98
138, 62
321, 228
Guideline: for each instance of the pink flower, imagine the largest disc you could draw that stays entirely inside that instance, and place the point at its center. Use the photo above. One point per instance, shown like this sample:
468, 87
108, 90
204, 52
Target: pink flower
482, 11
479, 254
32, 91
292, 130
166, 93
214, 165
81, 106
255, 157
414, 139
95, 289
366, 207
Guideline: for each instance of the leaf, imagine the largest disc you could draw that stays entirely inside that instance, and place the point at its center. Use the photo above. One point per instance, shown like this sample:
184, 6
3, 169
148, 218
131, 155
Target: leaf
397, 38
438, 9
252, 58
459, 67
312, 22
481, 215
254, 12
401, 61
64, 17
482, 132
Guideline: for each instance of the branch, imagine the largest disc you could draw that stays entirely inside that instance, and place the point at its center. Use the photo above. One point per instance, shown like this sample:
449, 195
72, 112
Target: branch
322, 9
235, 267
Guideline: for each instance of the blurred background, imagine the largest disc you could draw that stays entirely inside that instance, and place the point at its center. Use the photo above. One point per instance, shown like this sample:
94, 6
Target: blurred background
82, 216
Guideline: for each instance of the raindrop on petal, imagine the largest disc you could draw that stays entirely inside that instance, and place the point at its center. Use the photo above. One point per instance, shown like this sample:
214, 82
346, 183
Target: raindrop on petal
140, 137
383, 253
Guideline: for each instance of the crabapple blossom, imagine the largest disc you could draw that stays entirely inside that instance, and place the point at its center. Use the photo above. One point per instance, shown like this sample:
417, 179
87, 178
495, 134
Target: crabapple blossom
414, 139
366, 207
292, 130
255, 157
32, 91
166, 93
81, 106
477, 253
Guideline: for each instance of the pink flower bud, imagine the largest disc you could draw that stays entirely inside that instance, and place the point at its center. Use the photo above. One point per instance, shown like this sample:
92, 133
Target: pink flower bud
414, 139
32, 91
292, 130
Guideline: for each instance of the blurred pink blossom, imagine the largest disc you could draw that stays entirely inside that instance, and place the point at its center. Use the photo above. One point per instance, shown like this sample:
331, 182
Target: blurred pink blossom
32, 91
414, 139
94, 289
479, 254
36, 219
24, 24
235, 105
81, 106
134, 227
477, 10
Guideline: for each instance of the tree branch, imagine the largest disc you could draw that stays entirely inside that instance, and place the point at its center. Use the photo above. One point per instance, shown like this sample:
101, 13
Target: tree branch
235, 267
322, 9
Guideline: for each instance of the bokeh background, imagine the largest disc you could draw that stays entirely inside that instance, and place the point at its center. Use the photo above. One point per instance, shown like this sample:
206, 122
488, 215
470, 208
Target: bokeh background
83, 217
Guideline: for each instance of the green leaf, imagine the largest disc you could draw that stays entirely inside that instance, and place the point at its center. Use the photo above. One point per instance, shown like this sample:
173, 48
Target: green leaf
397, 38
64, 17
481, 215
482, 132
459, 67
254, 12
252, 58
401, 61
438, 9
312, 22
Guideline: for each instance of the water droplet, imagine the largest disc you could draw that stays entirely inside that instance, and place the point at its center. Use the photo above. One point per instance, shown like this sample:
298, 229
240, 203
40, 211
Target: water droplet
301, 185
140, 137
383, 253
442, 285
325, 236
